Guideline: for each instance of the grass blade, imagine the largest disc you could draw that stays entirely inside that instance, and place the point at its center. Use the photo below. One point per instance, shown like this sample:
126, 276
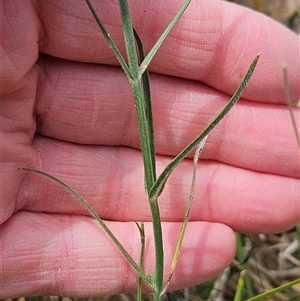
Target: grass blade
289, 102
275, 290
109, 40
142, 257
159, 184
146, 278
152, 52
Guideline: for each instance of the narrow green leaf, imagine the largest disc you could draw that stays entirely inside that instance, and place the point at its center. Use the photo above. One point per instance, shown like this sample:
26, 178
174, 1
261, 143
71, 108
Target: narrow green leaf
110, 41
144, 115
187, 213
289, 102
94, 214
159, 184
147, 101
152, 52
275, 290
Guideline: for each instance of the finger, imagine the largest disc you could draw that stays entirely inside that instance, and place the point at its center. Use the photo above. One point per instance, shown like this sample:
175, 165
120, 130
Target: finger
215, 42
19, 80
252, 136
110, 179
19, 45
214, 50
71, 255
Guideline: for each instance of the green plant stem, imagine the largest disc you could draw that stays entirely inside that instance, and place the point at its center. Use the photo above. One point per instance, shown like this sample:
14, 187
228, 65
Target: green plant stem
275, 290
159, 250
147, 101
159, 254
145, 127
147, 142
145, 137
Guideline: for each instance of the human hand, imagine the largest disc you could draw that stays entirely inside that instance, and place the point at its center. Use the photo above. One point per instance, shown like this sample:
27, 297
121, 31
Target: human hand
71, 114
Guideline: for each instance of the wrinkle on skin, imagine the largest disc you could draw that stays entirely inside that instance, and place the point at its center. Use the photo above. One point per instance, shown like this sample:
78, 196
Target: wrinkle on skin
222, 191
74, 268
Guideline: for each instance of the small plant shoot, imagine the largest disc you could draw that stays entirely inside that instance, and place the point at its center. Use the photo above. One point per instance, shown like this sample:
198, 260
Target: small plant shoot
135, 66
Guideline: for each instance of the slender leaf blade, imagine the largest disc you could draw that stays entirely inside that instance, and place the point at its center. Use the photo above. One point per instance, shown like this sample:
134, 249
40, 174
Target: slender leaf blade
147, 101
144, 65
110, 41
94, 214
160, 182
289, 102
275, 290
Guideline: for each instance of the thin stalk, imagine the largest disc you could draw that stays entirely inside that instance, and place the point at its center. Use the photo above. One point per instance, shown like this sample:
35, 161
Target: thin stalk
147, 100
149, 177
187, 212
289, 102
159, 250
145, 126
147, 141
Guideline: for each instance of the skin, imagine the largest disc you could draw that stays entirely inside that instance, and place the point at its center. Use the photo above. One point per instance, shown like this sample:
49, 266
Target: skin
67, 109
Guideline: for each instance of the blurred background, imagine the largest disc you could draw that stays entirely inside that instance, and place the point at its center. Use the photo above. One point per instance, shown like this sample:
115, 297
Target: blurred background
284, 11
